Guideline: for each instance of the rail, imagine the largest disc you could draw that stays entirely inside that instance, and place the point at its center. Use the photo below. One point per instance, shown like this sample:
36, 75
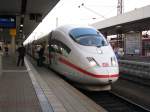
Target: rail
113, 102
135, 62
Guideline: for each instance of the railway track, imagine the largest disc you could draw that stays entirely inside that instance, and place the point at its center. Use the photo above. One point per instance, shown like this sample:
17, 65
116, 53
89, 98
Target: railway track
135, 79
115, 103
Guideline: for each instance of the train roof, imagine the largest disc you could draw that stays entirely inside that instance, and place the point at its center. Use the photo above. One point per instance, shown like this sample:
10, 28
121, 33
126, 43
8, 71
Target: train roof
67, 28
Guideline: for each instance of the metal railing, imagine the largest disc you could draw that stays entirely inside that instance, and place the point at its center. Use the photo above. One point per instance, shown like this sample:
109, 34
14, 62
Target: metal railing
140, 69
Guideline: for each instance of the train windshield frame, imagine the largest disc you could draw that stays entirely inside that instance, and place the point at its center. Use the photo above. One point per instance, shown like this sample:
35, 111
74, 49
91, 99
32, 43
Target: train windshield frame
88, 37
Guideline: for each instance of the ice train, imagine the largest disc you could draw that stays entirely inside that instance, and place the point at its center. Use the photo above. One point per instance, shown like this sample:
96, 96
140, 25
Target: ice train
81, 54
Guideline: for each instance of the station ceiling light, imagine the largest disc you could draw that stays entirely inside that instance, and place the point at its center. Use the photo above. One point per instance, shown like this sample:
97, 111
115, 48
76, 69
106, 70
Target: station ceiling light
21, 25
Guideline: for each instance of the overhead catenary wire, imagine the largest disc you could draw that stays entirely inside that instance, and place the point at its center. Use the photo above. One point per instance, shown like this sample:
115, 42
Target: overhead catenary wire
82, 5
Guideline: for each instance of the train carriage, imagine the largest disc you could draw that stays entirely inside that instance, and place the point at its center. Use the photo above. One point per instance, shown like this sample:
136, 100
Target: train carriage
82, 55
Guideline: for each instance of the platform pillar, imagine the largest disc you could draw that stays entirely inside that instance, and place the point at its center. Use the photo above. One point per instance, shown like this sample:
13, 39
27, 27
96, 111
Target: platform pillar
13, 43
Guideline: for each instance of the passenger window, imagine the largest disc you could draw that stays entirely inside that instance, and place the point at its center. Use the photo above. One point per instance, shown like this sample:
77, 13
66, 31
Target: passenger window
64, 49
59, 47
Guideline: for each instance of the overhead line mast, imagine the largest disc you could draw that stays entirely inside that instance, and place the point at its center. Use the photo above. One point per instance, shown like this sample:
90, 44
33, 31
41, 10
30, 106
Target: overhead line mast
120, 7
120, 10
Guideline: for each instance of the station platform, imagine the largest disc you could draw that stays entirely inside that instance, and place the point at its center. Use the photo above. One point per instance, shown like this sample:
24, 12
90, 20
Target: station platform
36, 89
16, 91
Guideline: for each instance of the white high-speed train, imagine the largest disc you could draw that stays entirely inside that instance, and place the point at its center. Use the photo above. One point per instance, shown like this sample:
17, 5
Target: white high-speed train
81, 54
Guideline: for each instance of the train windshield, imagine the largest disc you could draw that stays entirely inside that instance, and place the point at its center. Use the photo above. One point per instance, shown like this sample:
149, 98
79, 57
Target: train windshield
88, 37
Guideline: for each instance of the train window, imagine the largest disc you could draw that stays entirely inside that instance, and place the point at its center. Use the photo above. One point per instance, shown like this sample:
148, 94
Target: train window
65, 50
88, 37
77, 32
60, 47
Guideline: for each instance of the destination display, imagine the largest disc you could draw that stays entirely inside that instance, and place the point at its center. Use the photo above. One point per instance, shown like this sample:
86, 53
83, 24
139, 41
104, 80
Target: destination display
7, 22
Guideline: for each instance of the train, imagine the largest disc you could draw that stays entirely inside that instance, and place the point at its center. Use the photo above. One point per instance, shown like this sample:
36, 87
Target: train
81, 54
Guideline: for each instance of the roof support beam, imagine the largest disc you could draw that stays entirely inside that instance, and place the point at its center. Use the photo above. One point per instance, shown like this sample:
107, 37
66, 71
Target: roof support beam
23, 6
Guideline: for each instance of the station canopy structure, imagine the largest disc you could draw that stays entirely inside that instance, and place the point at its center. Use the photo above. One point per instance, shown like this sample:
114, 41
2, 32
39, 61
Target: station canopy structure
27, 14
136, 20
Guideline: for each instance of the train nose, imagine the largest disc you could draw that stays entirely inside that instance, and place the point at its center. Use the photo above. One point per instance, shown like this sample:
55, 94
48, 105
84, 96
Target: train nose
113, 75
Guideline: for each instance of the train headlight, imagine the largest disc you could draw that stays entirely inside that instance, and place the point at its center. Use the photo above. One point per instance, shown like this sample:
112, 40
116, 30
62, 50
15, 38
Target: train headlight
114, 61
92, 61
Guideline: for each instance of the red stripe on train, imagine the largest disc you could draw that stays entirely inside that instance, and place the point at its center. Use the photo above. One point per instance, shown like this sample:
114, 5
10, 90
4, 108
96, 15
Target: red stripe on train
86, 72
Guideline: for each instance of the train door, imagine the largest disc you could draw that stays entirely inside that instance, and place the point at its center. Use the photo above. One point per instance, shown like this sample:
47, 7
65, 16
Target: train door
53, 49
50, 49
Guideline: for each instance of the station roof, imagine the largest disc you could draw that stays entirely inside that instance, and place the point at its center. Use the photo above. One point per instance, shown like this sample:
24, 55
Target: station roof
27, 12
136, 20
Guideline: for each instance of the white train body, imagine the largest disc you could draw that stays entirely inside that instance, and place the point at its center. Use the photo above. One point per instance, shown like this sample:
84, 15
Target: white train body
82, 55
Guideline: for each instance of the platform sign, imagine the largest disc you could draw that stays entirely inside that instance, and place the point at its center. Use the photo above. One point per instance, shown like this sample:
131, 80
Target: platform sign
12, 32
133, 43
7, 21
